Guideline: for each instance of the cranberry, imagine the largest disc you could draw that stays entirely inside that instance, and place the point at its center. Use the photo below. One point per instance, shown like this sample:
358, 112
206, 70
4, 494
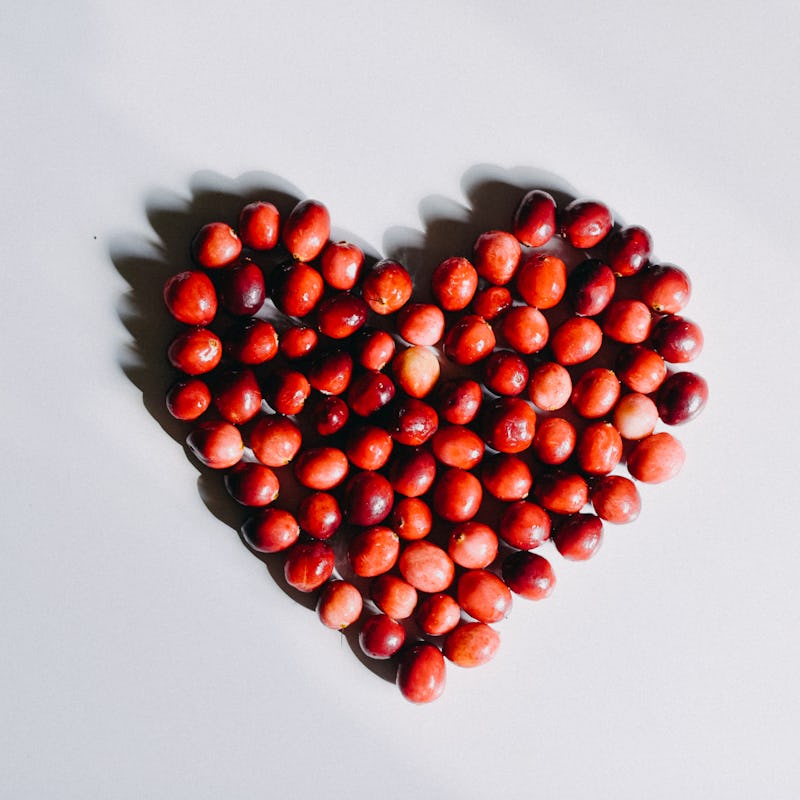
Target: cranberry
453, 283
472, 545
369, 392
421, 673
628, 250
188, 399
298, 341
550, 387
554, 440
196, 351
191, 298
457, 446
471, 644
459, 400
306, 230
297, 289
339, 604
421, 323
242, 289
259, 224
585, 223
216, 444
640, 369
331, 372
319, 515
271, 530
237, 395
252, 484
505, 373
457, 495
525, 329
596, 393
216, 245
381, 636
341, 264
483, 595
576, 340
535, 218
426, 566
616, 499
529, 575
506, 477
308, 565
368, 447
578, 537
373, 349
677, 339
561, 492
368, 498
330, 415
496, 256
682, 397
412, 472
387, 287
599, 448
411, 518
508, 424
321, 468
341, 315
251, 341
656, 458
469, 340
491, 302
438, 614
635, 416
275, 440
416, 370
665, 288
413, 421
591, 287
392, 595
373, 551
524, 525
627, 321
286, 391
542, 280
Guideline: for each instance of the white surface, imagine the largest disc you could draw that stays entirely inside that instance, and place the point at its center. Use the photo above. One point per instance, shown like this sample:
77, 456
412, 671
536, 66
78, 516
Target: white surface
146, 653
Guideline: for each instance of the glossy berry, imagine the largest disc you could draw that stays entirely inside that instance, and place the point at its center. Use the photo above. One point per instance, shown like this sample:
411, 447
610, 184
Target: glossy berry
534, 221
275, 439
635, 416
472, 545
321, 468
616, 499
271, 530
421, 323
585, 223
368, 498
491, 302
412, 422
251, 341
421, 673
191, 298
368, 447
505, 373
459, 400
286, 391
426, 566
576, 340
411, 518
412, 472
561, 492
525, 329
677, 339
496, 256
196, 351
627, 321
453, 283
308, 565
457, 495
471, 644
381, 636
416, 370
372, 348
330, 415
542, 280
373, 551
681, 397
330, 373
628, 250
438, 614
529, 575
307, 230
595, 393
665, 288
341, 264
640, 369
508, 424
393, 596
386, 287
457, 446
242, 289
298, 341
319, 515
237, 395
259, 225
469, 340
341, 315
524, 525
339, 604
188, 399
297, 289
550, 386
506, 477
599, 448
579, 537
216, 444
370, 392
554, 440
216, 245
656, 458
591, 287
483, 595
252, 484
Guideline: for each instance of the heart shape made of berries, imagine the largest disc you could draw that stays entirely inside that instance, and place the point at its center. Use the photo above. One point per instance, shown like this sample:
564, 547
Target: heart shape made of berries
404, 449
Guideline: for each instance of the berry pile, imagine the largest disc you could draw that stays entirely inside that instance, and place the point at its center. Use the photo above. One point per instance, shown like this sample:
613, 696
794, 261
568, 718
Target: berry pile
422, 451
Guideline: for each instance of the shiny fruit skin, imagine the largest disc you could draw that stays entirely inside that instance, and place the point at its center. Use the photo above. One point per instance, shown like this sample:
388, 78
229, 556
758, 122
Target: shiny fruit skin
339, 604
216, 245
368, 498
298, 341
628, 250
599, 448
554, 440
491, 302
457, 446
595, 393
237, 395
506, 477
321, 468
585, 223
534, 221
640, 369
341, 264
681, 397
627, 321
381, 636
525, 329
616, 499
665, 288
373, 551
579, 537
330, 415
471, 644
252, 484
508, 424
591, 287
426, 566
457, 495
459, 400
297, 289
251, 342
416, 370
330, 373
421, 323
308, 565
370, 392
412, 472
496, 256
635, 416
411, 518
286, 391
259, 225
472, 545
275, 439
242, 289
387, 287
421, 673
469, 340
676, 339
319, 515
393, 596
307, 230
373, 348
216, 444
524, 525
541, 280
271, 530
453, 283
550, 386
529, 575
483, 595
412, 422
188, 399
341, 315
190, 297
576, 340
505, 373
656, 458
196, 351
561, 492
368, 447
438, 614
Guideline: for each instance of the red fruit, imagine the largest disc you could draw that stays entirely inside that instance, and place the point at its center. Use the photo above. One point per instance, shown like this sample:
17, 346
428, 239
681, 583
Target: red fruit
576, 341
471, 644
469, 340
525, 329
421, 673
259, 224
483, 595
188, 399
599, 448
373, 349
585, 223
381, 637
307, 230
529, 575
341, 315
628, 250
508, 424
368, 447
321, 468
426, 566
412, 472
595, 393
505, 373
237, 396
554, 440
421, 323
416, 370
457, 495
216, 245
368, 498
677, 339
472, 545
339, 604
506, 477
561, 492
591, 287
640, 369
330, 415
627, 321
369, 392
191, 298
616, 499
286, 391
550, 386
524, 525
387, 287
459, 400
682, 397
438, 614
578, 537
298, 341
242, 289
542, 280
457, 446
491, 302
216, 444
275, 440
271, 531
635, 416
656, 458
331, 372
341, 264
412, 421
195, 351
308, 565
453, 283
373, 551
251, 341
665, 288
252, 484
411, 518
535, 218
496, 256
297, 289
319, 515
392, 595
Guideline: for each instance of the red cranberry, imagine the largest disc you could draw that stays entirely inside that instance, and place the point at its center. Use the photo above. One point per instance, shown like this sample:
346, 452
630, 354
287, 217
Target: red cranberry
341, 315
585, 223
596, 393
297, 289
471, 644
259, 224
561, 492
635, 416
542, 280
298, 341
421, 673
627, 321
369, 392
416, 370
196, 351
491, 302
426, 566
392, 595
457, 495
307, 230
237, 396
271, 530
454, 283
469, 340
252, 484
275, 440
472, 545
628, 250
242, 289
216, 245
457, 446
509, 424
524, 525
191, 298
368, 447
506, 477
483, 595
665, 288
496, 256
599, 448
387, 287
459, 400
535, 218
525, 329
413, 421
368, 498
578, 537
308, 565
421, 323
216, 444
286, 391
330, 373
319, 515
438, 614
341, 264
656, 458
412, 472
330, 415
373, 551
550, 387
529, 575
251, 341
411, 518
677, 339
321, 468
616, 499
576, 340
188, 399
373, 349
640, 369
554, 440
381, 636
505, 373
339, 604
682, 397
591, 287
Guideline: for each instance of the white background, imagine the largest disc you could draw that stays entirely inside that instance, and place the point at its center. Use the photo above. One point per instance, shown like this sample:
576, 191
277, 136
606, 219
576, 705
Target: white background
146, 653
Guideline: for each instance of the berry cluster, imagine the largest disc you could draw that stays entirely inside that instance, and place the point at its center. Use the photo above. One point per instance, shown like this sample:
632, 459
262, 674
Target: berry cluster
438, 444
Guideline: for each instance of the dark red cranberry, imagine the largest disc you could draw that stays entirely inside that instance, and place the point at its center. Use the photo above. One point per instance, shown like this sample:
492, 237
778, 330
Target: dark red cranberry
453, 283
237, 395
370, 392
579, 536
381, 636
271, 530
216, 245
372, 348
677, 339
252, 484
457, 446
331, 372
508, 424
259, 224
628, 250
535, 218
665, 288
196, 351
412, 472
505, 373
297, 289
412, 422
188, 399
387, 287
411, 518
191, 298
591, 286
421, 673
459, 400
368, 498
319, 515
307, 230
286, 391
585, 223
330, 415
242, 289
308, 565
681, 397
251, 341
341, 264
341, 315
616, 499
529, 575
